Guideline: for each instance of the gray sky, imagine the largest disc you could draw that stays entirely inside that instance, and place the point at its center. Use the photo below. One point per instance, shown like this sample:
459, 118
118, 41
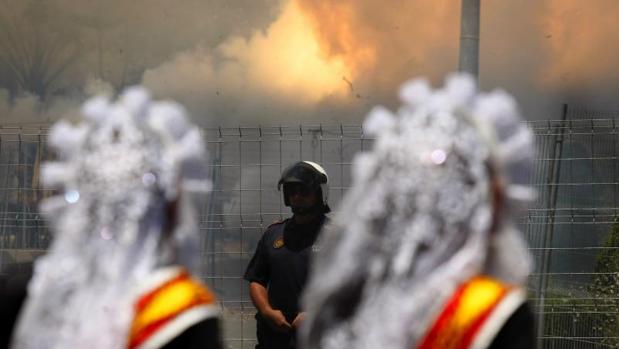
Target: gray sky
289, 61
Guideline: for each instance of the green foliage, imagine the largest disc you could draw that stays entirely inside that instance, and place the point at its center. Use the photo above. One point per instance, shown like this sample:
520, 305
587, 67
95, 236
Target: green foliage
605, 285
595, 315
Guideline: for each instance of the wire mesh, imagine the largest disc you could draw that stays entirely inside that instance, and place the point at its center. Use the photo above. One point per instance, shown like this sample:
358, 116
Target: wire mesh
572, 229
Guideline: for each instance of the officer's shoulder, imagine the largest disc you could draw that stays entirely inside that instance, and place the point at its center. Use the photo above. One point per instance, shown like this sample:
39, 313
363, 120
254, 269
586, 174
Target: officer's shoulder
273, 230
274, 227
276, 223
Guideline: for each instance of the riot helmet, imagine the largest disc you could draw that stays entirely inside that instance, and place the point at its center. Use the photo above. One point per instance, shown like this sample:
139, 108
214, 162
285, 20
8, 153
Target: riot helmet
312, 177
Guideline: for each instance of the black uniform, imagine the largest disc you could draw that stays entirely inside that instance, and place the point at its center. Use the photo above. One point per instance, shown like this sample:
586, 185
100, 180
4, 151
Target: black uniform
517, 332
204, 334
281, 264
13, 291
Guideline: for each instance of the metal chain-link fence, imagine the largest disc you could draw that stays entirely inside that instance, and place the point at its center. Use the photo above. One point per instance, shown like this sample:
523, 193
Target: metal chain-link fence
572, 230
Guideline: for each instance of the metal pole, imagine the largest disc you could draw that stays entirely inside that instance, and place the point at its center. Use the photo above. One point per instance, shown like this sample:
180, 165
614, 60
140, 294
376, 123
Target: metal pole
469, 37
555, 177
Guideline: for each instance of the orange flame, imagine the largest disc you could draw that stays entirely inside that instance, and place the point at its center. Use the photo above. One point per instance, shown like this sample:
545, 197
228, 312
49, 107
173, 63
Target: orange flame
287, 59
385, 43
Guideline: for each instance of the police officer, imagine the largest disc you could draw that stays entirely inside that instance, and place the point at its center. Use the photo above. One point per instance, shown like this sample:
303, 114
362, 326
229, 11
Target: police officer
278, 270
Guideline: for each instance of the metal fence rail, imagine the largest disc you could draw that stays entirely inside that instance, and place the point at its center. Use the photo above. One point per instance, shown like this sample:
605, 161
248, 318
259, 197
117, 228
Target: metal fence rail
570, 229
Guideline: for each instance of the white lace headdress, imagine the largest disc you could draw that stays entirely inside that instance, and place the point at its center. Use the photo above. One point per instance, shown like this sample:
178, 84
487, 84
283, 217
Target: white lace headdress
419, 218
119, 173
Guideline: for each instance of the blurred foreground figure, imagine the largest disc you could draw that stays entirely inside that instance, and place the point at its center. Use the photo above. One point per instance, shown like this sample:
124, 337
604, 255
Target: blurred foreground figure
118, 274
423, 252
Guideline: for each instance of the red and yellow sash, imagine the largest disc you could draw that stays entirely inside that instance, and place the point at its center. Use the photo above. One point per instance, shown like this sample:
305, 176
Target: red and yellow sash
465, 313
169, 309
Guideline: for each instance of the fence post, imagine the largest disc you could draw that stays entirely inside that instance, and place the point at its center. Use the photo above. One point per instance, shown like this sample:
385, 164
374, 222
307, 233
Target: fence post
553, 181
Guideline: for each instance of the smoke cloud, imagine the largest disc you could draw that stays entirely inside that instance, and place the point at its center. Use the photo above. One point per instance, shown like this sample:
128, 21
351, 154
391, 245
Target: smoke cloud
544, 52
277, 74
289, 61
